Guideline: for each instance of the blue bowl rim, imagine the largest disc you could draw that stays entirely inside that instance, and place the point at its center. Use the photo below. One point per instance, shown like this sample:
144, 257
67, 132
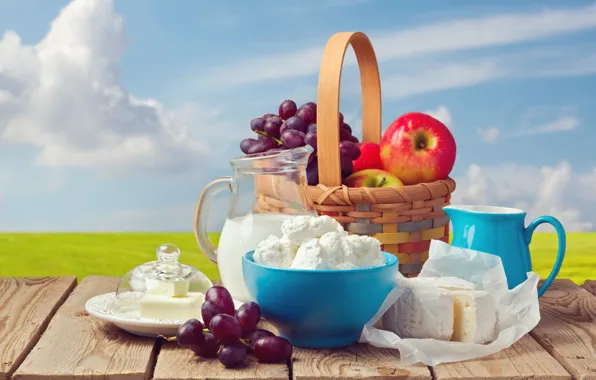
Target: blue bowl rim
390, 260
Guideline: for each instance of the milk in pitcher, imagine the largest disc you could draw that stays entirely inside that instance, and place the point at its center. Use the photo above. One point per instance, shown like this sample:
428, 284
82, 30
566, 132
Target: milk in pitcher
240, 235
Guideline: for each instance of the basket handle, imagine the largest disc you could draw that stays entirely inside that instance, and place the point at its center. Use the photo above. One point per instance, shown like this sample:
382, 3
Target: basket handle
328, 100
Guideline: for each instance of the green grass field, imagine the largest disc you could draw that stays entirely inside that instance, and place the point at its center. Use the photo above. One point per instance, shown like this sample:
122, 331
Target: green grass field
112, 254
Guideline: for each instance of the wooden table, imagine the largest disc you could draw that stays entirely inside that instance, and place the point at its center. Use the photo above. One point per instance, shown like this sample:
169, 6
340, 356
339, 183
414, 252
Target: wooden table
45, 333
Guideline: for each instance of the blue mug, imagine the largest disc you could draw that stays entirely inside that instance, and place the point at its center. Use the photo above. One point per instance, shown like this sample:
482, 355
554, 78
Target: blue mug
501, 231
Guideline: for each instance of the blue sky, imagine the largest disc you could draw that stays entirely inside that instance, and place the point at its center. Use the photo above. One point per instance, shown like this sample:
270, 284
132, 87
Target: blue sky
115, 114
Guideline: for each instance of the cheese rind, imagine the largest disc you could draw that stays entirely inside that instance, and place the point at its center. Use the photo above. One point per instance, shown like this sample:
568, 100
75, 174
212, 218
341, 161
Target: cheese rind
475, 317
423, 311
163, 307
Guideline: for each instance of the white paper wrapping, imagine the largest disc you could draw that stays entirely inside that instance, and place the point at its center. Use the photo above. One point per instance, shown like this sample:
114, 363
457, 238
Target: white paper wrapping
518, 311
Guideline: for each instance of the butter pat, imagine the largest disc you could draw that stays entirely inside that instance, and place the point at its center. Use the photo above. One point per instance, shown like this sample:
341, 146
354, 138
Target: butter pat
177, 288
475, 317
164, 307
423, 311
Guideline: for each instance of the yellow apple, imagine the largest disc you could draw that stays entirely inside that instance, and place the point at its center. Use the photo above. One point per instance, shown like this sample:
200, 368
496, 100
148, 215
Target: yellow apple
372, 178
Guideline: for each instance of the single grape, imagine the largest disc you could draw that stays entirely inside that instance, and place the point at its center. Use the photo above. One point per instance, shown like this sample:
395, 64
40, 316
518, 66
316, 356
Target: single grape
312, 173
311, 128
257, 124
191, 332
344, 135
311, 139
262, 145
207, 349
287, 109
292, 138
272, 126
308, 114
341, 118
312, 105
343, 126
208, 311
233, 354
222, 298
297, 124
246, 144
354, 139
249, 315
349, 149
311, 158
262, 137
347, 166
272, 349
257, 334
268, 115
283, 128
225, 328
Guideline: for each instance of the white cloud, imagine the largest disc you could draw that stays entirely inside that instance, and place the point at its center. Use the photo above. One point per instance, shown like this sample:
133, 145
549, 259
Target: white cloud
64, 95
489, 135
556, 191
442, 114
562, 124
443, 37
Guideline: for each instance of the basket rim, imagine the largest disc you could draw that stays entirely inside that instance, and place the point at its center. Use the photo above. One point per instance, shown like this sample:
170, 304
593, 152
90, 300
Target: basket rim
343, 195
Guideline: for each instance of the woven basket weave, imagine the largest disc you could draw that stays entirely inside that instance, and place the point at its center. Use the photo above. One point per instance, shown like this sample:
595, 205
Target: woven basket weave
404, 219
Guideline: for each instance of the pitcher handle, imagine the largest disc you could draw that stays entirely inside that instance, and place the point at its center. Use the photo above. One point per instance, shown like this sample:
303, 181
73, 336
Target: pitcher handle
202, 215
562, 246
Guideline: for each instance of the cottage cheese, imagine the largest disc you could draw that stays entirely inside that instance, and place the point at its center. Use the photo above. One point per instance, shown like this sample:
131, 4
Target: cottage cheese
318, 243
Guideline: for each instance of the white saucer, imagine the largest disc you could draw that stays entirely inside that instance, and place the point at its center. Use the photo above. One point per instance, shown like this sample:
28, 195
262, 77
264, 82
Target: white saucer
102, 307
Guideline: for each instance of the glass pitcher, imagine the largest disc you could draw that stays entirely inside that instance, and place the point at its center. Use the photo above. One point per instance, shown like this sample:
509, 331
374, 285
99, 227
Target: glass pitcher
267, 188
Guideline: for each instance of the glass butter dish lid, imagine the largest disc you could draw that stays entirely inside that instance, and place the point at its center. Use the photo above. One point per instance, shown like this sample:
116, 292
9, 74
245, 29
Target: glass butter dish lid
162, 289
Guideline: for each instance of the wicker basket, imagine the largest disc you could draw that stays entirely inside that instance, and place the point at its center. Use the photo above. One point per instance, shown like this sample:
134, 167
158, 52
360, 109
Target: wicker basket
404, 219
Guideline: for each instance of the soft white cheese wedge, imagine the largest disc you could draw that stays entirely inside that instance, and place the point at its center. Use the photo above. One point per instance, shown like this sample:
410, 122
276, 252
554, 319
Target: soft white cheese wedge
177, 288
475, 317
164, 307
423, 311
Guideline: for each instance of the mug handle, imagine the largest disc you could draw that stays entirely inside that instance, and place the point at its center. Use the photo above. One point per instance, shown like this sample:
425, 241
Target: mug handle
202, 215
562, 246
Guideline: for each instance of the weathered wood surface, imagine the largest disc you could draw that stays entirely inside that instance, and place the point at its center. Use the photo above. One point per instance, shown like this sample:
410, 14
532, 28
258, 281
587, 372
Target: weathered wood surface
524, 360
567, 329
76, 345
26, 307
175, 362
355, 362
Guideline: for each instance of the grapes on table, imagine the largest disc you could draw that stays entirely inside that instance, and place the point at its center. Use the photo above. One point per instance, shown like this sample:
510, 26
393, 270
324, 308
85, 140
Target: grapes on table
272, 349
232, 354
248, 315
225, 328
295, 127
208, 348
222, 298
190, 333
229, 334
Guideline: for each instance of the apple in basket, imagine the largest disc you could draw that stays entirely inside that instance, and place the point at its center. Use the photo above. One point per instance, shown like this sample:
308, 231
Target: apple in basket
370, 157
418, 148
372, 178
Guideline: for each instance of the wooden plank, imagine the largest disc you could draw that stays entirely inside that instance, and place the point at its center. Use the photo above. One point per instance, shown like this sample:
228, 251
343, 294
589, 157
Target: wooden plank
590, 286
27, 305
525, 359
567, 329
175, 362
355, 362
76, 345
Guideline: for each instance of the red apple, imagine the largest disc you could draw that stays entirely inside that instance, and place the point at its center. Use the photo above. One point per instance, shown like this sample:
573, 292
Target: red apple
418, 148
372, 178
370, 157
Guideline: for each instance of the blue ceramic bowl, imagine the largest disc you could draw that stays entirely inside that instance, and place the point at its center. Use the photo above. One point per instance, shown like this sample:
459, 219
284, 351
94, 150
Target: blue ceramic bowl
319, 308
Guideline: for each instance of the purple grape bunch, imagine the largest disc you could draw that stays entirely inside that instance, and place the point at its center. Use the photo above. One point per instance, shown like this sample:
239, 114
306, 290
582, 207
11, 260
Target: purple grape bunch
294, 127
231, 335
